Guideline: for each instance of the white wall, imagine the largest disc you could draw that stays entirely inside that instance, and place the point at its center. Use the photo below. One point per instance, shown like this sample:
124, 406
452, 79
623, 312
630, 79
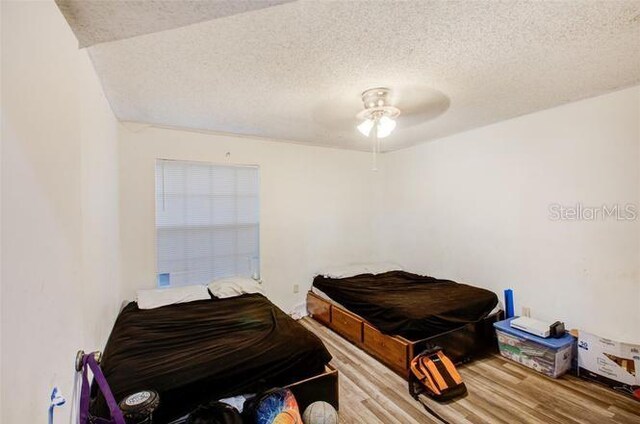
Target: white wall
474, 207
471, 207
314, 204
60, 268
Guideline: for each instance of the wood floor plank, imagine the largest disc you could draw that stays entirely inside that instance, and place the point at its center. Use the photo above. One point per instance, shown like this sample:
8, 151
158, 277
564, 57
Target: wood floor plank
500, 391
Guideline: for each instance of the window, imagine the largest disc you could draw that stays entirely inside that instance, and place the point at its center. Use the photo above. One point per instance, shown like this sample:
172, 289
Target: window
207, 224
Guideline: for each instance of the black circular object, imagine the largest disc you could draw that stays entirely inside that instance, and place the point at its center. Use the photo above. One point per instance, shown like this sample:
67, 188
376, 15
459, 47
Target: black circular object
138, 407
214, 412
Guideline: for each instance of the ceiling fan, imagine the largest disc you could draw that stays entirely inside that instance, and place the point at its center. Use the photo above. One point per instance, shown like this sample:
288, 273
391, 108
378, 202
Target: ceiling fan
378, 118
391, 110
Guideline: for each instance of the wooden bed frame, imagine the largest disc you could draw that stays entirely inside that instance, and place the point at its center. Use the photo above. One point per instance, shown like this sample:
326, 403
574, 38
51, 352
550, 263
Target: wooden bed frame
472, 340
320, 387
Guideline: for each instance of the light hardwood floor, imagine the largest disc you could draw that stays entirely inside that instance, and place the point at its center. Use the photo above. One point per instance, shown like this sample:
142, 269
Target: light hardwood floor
500, 391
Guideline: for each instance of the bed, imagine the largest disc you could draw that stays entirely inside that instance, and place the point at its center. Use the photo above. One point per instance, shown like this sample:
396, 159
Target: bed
207, 349
394, 315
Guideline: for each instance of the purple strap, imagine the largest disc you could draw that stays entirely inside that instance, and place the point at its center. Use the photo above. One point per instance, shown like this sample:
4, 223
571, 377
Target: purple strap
89, 361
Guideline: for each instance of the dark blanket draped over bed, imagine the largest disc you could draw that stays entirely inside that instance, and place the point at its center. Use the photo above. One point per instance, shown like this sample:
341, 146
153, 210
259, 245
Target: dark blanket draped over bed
209, 349
410, 305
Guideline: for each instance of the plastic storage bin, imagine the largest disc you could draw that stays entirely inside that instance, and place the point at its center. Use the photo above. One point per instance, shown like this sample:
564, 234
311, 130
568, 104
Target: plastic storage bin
548, 356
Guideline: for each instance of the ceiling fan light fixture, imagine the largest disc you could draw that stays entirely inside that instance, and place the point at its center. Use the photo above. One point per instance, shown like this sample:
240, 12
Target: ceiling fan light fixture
365, 127
385, 126
377, 118
377, 110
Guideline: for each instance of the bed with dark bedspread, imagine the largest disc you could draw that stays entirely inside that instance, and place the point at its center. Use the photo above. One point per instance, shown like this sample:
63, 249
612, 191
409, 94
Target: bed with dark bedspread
209, 349
409, 305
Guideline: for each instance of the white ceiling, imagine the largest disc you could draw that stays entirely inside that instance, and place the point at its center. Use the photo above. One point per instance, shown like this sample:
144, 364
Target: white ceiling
100, 21
295, 71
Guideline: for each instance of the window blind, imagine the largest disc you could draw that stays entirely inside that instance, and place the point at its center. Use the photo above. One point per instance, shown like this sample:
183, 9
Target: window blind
207, 222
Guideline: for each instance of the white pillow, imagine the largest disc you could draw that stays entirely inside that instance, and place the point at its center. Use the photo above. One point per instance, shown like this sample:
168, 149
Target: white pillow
155, 298
234, 286
357, 269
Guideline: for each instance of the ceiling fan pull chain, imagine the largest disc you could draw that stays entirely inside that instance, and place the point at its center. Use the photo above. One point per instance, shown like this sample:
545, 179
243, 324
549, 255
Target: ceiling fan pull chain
376, 143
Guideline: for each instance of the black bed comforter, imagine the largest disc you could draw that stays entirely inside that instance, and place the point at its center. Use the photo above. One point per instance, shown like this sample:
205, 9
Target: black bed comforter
194, 352
409, 305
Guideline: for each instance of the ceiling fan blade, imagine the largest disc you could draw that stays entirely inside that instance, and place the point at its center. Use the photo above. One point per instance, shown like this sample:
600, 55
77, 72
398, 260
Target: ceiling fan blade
419, 104
339, 111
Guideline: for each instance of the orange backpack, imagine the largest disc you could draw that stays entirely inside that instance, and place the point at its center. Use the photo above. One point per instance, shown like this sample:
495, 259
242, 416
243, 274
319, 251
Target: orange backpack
433, 373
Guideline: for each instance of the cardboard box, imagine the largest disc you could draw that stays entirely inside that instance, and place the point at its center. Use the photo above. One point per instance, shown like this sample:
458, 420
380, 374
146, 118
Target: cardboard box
615, 364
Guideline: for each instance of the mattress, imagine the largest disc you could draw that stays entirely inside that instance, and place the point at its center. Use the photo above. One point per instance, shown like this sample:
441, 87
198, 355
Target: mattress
409, 305
326, 297
209, 349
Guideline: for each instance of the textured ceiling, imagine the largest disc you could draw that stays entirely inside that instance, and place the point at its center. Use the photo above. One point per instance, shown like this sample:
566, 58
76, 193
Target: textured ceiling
99, 21
295, 71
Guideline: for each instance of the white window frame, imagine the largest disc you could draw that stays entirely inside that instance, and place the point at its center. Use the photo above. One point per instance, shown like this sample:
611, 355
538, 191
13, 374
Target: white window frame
255, 260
